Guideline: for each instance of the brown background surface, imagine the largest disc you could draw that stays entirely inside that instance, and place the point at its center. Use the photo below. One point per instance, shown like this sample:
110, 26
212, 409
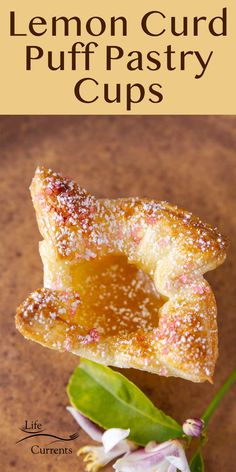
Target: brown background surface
187, 160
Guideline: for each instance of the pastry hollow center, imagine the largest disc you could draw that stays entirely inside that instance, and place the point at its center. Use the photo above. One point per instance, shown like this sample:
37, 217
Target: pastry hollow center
117, 297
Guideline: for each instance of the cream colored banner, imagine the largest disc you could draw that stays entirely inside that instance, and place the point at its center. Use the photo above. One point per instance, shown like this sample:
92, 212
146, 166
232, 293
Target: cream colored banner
163, 57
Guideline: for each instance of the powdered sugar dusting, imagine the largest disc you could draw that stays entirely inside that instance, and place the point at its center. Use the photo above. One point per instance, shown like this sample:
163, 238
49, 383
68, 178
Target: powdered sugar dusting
140, 299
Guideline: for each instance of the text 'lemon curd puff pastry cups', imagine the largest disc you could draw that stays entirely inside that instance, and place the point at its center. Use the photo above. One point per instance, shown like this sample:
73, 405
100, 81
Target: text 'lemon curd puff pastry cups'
123, 281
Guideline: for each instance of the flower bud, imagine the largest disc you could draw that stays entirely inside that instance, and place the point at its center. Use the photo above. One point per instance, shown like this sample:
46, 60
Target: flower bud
193, 427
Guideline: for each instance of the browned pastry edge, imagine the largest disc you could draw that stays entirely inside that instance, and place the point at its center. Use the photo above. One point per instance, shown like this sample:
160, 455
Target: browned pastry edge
168, 243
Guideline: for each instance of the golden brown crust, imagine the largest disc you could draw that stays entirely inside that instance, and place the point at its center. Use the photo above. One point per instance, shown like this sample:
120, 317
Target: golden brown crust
168, 243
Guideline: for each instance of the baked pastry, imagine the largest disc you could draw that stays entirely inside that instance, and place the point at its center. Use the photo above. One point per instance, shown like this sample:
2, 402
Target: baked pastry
123, 281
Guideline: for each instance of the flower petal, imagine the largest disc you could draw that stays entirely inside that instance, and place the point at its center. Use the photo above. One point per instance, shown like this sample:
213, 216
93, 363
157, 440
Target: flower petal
165, 457
140, 461
96, 457
152, 446
113, 436
179, 459
171, 468
88, 426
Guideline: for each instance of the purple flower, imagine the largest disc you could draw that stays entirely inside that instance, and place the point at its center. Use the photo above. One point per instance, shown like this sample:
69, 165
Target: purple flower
193, 427
166, 457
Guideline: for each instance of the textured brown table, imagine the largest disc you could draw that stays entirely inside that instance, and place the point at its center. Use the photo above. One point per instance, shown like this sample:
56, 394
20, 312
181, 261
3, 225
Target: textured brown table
190, 161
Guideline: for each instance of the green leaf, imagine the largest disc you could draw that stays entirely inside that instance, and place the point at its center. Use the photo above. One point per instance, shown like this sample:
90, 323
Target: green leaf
197, 463
110, 400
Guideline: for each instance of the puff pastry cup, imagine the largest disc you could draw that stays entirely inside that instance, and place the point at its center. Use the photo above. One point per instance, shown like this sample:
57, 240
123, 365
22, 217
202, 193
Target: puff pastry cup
123, 281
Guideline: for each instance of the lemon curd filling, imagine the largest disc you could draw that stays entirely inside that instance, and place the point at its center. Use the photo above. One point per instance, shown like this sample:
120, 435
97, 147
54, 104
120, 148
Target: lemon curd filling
117, 298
